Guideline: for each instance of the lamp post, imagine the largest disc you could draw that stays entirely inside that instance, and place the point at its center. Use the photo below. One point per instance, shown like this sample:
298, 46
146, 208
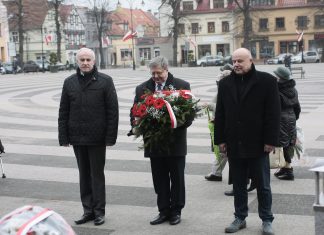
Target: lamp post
42, 49
195, 31
130, 2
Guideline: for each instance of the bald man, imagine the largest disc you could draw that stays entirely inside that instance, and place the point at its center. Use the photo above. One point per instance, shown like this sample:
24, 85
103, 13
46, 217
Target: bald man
88, 120
247, 120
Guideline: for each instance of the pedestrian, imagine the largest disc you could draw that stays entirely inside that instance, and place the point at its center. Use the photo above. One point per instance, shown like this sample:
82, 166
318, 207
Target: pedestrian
88, 120
247, 121
1, 147
220, 159
287, 61
290, 110
167, 166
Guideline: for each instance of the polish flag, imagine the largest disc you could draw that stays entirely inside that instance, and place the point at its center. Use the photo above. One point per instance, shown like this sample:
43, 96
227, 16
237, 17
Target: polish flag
129, 35
193, 42
48, 38
105, 41
300, 36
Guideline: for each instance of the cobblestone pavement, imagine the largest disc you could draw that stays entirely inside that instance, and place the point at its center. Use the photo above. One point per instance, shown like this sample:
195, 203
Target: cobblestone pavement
39, 172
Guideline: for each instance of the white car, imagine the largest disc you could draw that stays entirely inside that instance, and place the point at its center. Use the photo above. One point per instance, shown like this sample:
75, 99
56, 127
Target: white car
279, 59
308, 57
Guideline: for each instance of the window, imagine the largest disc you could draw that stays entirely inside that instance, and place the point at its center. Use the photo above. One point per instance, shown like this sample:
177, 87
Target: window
156, 51
194, 28
218, 3
181, 28
319, 21
126, 54
266, 49
15, 37
211, 27
188, 6
302, 22
280, 23
225, 26
0, 30
145, 53
262, 2
263, 24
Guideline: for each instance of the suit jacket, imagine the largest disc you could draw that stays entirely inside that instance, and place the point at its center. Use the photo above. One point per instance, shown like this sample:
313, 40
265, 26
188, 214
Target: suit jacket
248, 123
88, 115
179, 145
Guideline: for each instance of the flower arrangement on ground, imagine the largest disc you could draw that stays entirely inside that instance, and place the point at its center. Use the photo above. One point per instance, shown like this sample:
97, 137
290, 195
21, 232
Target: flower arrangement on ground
159, 113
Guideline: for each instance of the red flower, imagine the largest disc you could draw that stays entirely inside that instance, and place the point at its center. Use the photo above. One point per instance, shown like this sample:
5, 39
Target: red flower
149, 101
167, 93
142, 111
135, 110
184, 95
159, 103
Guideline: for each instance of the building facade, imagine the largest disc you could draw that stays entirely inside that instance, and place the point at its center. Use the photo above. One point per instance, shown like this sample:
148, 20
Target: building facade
4, 34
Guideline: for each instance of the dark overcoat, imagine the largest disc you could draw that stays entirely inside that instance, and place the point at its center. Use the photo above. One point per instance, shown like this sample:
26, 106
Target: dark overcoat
88, 115
179, 145
247, 124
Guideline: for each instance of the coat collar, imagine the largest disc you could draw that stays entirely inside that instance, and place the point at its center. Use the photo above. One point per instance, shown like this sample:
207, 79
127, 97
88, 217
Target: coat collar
151, 83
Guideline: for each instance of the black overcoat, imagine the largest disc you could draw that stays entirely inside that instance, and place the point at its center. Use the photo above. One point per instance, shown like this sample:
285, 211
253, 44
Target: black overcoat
247, 125
179, 145
89, 115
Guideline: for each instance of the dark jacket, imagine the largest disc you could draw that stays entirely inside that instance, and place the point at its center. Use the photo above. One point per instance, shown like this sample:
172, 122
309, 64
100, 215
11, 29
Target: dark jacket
248, 122
290, 110
88, 115
179, 145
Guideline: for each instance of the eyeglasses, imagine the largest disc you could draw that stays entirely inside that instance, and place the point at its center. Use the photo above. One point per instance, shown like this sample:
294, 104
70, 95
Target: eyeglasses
82, 60
159, 73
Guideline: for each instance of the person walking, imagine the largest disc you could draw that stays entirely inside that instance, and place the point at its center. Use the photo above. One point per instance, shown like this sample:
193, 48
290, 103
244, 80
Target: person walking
290, 111
247, 121
167, 166
88, 120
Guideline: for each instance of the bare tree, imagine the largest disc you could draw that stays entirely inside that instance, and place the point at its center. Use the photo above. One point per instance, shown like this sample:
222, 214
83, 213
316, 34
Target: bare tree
57, 4
99, 9
175, 16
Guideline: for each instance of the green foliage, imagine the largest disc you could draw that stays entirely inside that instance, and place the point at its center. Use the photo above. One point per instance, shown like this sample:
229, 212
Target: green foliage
53, 58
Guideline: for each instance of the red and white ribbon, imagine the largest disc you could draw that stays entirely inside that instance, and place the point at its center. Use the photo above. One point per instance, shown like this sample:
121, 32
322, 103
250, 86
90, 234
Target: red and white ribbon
171, 114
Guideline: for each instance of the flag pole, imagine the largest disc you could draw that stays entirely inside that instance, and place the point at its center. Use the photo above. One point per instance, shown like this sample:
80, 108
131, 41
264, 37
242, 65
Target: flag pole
133, 52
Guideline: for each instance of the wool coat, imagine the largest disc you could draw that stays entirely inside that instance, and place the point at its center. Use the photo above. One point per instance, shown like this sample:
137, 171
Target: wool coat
88, 115
245, 124
178, 146
290, 110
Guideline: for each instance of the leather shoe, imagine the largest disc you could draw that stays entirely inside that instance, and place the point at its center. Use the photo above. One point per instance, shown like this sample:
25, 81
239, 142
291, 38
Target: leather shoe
175, 219
99, 220
229, 193
161, 218
212, 177
85, 218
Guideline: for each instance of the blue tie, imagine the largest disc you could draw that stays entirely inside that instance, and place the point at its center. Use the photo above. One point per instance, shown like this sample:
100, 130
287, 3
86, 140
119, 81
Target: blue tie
159, 87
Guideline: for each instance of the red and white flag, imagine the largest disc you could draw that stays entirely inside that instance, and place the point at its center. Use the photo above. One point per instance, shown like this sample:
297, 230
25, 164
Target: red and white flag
129, 35
105, 41
193, 42
300, 36
48, 38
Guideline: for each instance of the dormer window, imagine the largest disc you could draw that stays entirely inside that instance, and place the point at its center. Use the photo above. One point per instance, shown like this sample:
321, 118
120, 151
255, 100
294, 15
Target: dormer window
187, 5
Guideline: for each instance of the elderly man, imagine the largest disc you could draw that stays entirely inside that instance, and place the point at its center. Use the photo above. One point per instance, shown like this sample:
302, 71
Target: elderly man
167, 166
247, 121
88, 120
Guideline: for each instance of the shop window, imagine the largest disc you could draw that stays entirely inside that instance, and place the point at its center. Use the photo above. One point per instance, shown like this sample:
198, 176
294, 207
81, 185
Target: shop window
126, 54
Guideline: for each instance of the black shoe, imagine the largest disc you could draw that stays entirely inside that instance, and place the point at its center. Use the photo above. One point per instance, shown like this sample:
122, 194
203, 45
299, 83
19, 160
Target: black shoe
85, 218
287, 175
99, 220
229, 193
252, 186
281, 171
175, 219
161, 218
212, 177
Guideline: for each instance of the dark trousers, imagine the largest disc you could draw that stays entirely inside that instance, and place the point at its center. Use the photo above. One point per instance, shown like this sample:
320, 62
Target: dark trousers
240, 168
169, 183
91, 162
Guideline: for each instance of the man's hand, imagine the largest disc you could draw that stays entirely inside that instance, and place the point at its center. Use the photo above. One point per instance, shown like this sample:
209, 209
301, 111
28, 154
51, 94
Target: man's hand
222, 148
268, 148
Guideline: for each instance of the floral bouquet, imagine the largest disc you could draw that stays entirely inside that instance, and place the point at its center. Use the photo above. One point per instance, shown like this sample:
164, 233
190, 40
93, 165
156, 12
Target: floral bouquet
159, 113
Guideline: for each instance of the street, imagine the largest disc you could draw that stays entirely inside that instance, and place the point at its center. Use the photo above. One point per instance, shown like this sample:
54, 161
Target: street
40, 172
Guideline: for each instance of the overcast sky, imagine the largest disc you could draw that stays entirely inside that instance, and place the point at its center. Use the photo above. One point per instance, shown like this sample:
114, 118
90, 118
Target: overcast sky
149, 4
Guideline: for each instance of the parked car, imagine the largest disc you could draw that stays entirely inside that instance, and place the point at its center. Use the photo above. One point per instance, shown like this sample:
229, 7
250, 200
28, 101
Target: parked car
7, 68
40, 65
228, 59
306, 57
30, 66
210, 61
279, 59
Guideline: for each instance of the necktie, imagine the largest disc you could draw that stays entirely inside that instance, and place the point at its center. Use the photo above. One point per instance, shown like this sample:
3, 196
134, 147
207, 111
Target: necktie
159, 87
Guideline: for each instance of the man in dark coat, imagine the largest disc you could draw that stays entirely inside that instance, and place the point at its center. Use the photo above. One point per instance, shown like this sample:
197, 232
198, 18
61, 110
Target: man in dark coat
88, 120
247, 122
167, 166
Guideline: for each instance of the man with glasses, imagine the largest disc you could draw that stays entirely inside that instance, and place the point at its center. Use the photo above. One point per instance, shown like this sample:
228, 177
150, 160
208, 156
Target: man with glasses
167, 167
88, 120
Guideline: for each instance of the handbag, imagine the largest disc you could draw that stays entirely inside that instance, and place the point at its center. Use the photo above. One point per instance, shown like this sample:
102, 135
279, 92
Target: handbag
276, 159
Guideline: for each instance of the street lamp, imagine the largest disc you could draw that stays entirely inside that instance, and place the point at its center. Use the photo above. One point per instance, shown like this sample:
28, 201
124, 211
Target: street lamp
195, 31
130, 2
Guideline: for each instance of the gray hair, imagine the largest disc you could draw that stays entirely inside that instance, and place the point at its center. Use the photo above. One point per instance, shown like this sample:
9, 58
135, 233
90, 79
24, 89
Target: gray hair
87, 51
159, 61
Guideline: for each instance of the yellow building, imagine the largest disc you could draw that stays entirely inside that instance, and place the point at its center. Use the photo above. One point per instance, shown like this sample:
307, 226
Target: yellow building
4, 34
